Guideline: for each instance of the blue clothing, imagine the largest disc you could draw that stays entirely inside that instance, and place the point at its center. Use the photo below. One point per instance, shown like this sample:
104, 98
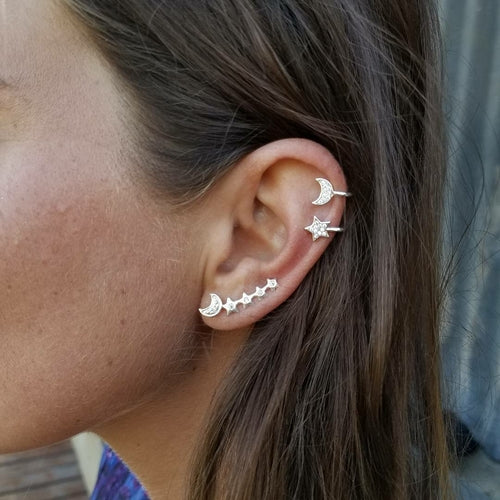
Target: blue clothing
115, 481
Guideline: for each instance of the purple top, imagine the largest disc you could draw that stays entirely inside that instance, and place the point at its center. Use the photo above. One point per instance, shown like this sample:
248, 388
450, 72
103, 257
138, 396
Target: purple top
115, 481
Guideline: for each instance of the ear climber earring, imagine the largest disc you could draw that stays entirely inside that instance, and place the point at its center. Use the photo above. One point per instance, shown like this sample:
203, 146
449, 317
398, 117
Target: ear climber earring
230, 306
327, 192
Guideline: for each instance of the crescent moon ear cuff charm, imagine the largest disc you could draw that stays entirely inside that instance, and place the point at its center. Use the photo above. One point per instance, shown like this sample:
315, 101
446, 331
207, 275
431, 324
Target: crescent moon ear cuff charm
327, 192
230, 305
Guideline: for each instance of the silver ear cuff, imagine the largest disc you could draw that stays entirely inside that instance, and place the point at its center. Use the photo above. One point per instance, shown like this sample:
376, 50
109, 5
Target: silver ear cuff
327, 192
231, 306
320, 228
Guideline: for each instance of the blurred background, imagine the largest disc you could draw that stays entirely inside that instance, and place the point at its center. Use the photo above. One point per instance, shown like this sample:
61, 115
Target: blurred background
471, 334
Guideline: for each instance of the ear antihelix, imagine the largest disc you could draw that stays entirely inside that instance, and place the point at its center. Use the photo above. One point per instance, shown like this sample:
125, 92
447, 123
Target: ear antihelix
216, 305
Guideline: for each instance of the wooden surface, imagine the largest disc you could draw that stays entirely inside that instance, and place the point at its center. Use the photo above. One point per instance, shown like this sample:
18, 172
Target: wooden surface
50, 473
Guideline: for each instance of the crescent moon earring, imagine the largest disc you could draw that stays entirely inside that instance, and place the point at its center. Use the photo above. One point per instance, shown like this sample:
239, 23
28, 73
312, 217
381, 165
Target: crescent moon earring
230, 305
214, 308
327, 192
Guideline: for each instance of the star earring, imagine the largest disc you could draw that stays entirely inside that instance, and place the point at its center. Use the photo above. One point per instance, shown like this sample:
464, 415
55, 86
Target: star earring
320, 228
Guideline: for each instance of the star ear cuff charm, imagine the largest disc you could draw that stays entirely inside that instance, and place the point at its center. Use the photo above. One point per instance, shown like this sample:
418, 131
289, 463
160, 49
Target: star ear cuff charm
320, 229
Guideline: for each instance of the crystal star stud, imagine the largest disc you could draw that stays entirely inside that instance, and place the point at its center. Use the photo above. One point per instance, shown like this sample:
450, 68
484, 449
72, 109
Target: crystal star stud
246, 299
320, 229
230, 306
272, 284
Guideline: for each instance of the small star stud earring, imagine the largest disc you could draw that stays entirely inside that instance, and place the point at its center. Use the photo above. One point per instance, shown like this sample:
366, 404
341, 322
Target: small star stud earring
320, 228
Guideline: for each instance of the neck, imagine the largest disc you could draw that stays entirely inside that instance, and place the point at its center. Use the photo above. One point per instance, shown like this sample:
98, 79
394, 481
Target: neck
157, 440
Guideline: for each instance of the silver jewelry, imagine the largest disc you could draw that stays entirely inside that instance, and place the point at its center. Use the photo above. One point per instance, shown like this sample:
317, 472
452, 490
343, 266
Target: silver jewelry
230, 306
320, 228
327, 192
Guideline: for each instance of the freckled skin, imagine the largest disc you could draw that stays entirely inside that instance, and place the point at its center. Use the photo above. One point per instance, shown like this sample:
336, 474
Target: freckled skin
91, 311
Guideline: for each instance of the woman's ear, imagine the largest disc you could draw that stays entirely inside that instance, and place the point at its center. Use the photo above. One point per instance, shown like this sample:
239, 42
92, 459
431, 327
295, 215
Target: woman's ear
272, 216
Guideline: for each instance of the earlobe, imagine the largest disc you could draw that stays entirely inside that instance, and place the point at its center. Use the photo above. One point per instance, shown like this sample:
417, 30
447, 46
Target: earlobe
286, 198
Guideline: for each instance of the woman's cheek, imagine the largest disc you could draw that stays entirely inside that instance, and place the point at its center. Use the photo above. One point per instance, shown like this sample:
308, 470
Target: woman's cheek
87, 301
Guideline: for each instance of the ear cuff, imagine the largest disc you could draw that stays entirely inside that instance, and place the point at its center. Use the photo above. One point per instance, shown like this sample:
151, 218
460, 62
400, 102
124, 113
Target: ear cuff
317, 228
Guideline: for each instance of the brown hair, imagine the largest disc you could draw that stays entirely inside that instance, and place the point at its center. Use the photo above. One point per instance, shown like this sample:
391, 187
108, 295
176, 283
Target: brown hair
336, 393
